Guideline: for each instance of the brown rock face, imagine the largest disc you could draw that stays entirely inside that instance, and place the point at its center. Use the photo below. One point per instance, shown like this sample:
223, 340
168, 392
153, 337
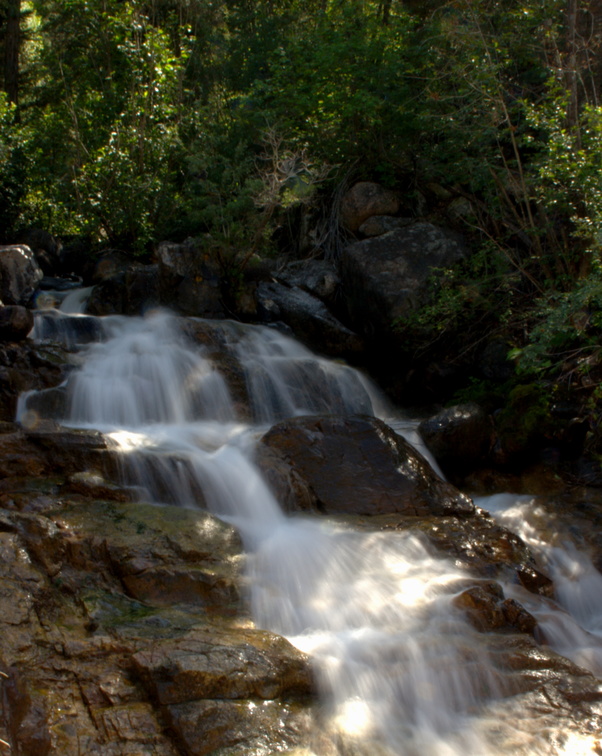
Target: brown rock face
258, 665
105, 637
364, 200
358, 465
25, 366
487, 609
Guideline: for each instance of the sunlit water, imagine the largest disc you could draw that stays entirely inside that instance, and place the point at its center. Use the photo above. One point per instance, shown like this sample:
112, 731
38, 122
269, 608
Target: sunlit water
402, 673
577, 632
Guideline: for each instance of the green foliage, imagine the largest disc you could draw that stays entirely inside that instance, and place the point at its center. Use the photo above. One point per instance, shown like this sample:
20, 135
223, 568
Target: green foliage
568, 333
342, 84
105, 142
525, 417
12, 165
463, 301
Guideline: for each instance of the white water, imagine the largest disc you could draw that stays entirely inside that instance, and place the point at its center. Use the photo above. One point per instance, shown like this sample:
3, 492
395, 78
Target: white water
401, 671
576, 632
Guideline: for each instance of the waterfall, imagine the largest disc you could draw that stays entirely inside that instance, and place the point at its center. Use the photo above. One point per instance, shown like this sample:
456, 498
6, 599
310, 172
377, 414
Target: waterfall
400, 669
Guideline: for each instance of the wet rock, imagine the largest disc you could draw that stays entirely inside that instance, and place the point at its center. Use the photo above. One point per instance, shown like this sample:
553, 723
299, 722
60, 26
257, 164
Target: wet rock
310, 320
553, 706
459, 437
19, 457
162, 555
25, 366
246, 665
20, 274
385, 278
476, 544
364, 200
15, 323
488, 610
290, 488
359, 465
236, 727
85, 660
535, 581
92, 485
72, 451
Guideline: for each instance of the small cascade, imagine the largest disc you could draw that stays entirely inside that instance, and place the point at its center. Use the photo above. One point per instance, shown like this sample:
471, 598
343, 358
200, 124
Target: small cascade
401, 671
74, 303
575, 632
286, 380
143, 374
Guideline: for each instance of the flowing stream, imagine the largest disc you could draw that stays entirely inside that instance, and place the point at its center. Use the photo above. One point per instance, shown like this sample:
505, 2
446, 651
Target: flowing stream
402, 672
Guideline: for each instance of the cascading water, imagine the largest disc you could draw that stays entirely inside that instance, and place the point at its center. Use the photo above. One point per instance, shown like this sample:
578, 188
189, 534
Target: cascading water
401, 670
577, 632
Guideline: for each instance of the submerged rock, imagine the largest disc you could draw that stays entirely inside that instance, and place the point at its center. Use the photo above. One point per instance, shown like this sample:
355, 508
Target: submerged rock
357, 465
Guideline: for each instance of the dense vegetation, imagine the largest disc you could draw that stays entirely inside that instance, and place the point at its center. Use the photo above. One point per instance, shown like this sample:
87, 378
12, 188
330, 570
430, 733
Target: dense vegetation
128, 122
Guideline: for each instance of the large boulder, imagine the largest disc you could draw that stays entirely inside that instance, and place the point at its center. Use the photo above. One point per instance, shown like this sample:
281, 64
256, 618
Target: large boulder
308, 317
355, 465
190, 279
364, 200
20, 274
459, 437
385, 278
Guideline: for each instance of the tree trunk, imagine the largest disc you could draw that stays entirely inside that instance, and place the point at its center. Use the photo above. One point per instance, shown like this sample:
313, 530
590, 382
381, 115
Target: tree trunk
12, 43
571, 73
386, 11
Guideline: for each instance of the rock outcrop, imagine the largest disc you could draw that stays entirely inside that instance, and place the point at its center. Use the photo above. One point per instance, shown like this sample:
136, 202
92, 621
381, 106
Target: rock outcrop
123, 631
308, 318
385, 278
20, 274
355, 465
364, 200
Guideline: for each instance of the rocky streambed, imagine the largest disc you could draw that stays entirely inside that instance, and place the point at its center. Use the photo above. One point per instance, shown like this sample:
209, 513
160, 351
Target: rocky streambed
136, 621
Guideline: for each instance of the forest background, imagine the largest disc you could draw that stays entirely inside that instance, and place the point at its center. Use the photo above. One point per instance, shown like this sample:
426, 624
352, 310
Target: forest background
130, 122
